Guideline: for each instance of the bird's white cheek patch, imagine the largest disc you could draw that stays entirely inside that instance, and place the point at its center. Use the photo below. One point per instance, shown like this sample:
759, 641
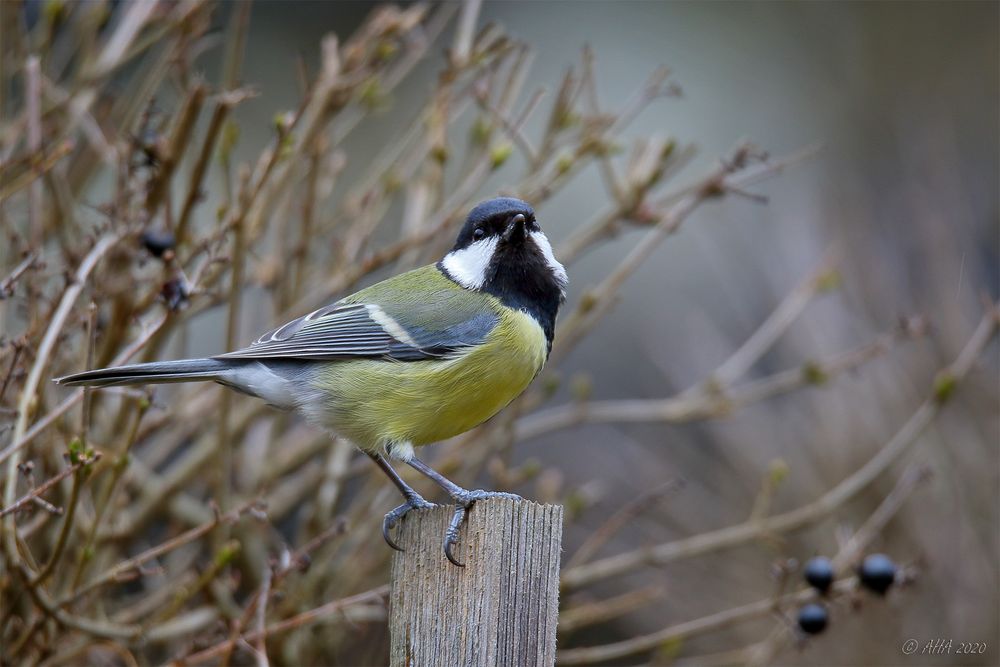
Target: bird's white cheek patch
468, 265
558, 270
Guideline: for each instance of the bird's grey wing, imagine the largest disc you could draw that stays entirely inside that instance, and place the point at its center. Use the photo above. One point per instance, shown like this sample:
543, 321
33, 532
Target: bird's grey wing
359, 330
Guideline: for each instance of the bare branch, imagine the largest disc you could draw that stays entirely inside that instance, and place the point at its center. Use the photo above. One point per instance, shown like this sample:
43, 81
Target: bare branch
37, 492
824, 505
299, 620
709, 400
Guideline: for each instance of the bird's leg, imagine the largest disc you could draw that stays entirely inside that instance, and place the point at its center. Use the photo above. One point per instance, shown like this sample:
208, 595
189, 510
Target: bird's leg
414, 501
464, 499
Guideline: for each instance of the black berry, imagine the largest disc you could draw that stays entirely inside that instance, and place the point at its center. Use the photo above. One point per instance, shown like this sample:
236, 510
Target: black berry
813, 618
156, 242
176, 293
877, 572
819, 573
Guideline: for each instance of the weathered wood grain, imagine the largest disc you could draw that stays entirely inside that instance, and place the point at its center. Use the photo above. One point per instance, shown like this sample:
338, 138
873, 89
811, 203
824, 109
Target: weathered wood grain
500, 609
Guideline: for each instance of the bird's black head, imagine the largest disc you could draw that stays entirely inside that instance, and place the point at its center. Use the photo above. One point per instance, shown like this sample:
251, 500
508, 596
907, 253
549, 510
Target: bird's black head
501, 250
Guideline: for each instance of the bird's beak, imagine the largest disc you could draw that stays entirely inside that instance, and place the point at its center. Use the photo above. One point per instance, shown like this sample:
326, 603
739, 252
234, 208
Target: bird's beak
515, 230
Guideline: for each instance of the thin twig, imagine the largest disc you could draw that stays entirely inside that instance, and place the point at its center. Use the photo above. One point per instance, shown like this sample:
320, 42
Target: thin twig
580, 616
64, 530
299, 620
598, 301
596, 655
462, 46
18, 443
134, 564
48, 484
265, 592
711, 401
33, 93
776, 323
623, 516
8, 283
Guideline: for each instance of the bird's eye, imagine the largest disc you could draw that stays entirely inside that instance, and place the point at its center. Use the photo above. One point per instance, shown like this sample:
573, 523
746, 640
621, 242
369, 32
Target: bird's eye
478, 233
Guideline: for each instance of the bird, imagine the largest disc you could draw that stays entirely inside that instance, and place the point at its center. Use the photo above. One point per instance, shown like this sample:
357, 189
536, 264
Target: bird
417, 358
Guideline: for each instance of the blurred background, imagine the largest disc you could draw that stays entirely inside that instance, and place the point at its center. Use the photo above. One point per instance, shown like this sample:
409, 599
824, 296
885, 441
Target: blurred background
869, 265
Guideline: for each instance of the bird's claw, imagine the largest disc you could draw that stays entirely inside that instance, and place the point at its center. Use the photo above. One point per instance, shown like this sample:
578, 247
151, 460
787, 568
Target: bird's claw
396, 515
451, 535
465, 500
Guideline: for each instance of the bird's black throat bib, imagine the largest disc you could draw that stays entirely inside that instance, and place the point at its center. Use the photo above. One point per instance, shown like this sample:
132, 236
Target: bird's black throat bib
520, 277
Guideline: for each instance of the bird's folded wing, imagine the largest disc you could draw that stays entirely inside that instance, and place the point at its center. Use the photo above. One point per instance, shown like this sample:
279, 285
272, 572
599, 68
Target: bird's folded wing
367, 330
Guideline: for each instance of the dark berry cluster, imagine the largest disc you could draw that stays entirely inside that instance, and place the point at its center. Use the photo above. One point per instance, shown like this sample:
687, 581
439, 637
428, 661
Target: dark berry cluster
877, 573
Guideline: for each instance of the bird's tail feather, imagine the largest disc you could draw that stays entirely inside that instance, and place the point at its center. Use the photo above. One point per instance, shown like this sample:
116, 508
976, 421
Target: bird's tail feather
182, 370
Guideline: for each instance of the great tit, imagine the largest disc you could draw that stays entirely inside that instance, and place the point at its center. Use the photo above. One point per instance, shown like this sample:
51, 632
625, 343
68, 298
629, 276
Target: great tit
417, 358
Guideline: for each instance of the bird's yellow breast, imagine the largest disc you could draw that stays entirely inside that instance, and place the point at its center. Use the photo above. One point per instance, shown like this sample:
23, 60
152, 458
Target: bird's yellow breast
376, 403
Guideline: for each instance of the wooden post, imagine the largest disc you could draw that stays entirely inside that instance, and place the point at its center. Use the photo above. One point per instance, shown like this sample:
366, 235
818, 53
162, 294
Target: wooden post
500, 609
